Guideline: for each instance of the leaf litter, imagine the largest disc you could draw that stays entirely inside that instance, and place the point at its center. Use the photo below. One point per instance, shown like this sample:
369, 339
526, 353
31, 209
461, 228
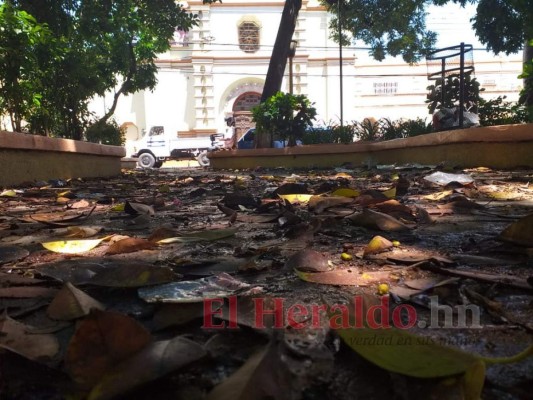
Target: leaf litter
158, 284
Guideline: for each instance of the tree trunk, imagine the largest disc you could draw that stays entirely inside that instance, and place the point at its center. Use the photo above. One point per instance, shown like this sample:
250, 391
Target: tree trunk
125, 84
278, 60
113, 107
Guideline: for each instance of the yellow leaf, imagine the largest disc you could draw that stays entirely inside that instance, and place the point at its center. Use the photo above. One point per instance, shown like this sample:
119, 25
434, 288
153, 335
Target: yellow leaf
118, 207
391, 193
163, 189
378, 244
346, 192
72, 246
346, 257
343, 175
503, 196
438, 196
296, 198
8, 193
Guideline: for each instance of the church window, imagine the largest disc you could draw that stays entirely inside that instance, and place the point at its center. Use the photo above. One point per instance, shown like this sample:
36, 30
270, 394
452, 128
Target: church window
249, 37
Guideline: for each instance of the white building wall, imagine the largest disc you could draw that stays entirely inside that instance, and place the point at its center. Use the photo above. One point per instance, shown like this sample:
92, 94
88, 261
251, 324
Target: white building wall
199, 83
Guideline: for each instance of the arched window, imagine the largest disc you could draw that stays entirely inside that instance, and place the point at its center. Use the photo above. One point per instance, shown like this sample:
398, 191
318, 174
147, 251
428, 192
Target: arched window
246, 101
249, 37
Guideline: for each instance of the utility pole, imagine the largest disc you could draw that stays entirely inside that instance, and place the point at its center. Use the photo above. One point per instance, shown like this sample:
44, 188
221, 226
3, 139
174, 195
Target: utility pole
341, 99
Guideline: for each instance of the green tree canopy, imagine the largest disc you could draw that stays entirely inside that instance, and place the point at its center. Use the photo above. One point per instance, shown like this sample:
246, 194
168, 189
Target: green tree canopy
21, 38
388, 27
398, 28
506, 26
98, 45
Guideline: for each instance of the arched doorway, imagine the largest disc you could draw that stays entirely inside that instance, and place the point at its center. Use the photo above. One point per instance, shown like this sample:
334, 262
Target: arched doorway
131, 134
242, 113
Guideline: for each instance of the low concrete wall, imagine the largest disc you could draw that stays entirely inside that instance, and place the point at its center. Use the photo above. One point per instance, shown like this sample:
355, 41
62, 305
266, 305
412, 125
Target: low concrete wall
27, 158
506, 146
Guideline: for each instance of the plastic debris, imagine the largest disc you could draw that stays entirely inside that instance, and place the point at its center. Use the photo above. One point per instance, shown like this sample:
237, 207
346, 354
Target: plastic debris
218, 286
444, 178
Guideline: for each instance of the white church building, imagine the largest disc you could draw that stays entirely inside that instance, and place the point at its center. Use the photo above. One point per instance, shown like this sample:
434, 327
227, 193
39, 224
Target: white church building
217, 70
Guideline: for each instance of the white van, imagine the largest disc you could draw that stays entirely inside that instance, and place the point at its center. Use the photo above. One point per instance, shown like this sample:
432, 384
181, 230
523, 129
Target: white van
163, 143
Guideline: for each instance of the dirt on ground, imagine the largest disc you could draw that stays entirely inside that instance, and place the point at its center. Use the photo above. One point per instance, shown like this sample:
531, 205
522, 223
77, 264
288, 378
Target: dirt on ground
392, 282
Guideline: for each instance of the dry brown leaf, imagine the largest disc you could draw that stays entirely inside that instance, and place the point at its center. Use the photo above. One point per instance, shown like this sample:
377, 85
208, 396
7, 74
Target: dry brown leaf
390, 206
181, 313
376, 220
80, 232
133, 274
154, 361
102, 340
138, 209
161, 233
423, 216
519, 232
308, 260
130, 245
318, 204
263, 376
12, 253
14, 336
71, 303
26, 292
16, 279
349, 277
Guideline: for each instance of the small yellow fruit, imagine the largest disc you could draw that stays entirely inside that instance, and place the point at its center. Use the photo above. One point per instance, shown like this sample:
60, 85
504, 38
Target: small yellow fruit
383, 289
396, 243
346, 257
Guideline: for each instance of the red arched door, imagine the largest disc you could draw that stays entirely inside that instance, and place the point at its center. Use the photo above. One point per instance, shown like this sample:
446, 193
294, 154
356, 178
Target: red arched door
242, 111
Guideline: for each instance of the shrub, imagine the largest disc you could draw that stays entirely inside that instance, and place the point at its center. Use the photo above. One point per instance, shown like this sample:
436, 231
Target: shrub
344, 134
403, 128
105, 133
316, 135
452, 91
367, 130
284, 116
329, 134
500, 112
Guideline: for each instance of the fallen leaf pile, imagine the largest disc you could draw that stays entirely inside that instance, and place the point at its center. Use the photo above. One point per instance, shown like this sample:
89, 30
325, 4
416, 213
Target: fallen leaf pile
406, 282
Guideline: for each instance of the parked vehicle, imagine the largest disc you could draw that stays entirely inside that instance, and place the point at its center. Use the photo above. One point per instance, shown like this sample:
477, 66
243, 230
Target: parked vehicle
162, 144
247, 141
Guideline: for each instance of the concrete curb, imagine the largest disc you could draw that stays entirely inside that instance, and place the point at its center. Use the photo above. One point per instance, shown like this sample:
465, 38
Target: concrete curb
27, 158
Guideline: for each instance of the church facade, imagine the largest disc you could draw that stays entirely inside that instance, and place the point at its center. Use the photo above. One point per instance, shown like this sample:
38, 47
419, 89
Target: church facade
217, 71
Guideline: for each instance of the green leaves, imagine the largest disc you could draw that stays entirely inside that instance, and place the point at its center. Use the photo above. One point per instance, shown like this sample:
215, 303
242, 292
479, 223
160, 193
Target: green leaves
284, 115
403, 32
451, 96
83, 49
21, 80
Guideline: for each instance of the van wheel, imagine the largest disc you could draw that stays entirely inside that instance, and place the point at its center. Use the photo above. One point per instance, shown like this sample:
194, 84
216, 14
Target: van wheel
146, 160
202, 159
